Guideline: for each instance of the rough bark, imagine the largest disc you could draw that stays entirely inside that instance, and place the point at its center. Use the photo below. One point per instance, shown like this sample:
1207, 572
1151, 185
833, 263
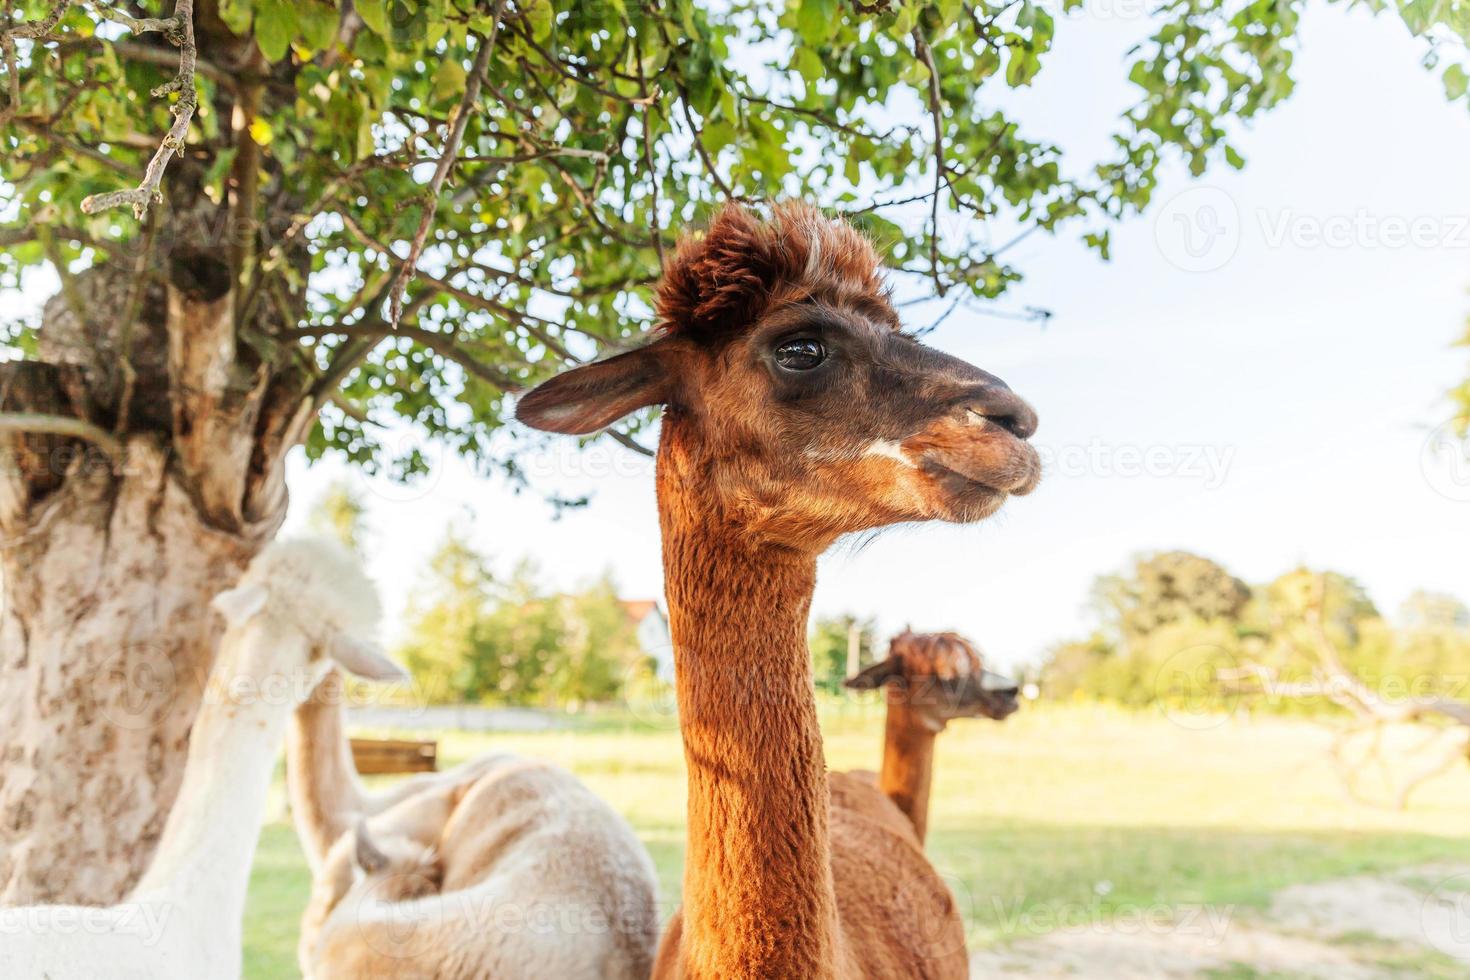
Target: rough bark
106, 635
106, 640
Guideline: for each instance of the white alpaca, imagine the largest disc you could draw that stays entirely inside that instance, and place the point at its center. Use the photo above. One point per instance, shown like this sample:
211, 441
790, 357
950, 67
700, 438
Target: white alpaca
522, 874
299, 604
327, 797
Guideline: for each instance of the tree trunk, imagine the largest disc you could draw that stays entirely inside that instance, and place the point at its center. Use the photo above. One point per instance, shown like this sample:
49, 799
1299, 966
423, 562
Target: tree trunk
105, 644
141, 466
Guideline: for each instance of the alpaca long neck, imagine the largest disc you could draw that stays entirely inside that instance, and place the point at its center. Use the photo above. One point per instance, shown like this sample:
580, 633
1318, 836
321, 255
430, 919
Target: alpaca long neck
326, 797
908, 761
209, 839
759, 898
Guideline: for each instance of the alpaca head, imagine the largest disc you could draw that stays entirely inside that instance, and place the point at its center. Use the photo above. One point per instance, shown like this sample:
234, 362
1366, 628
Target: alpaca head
301, 607
395, 867
940, 677
395, 860
791, 389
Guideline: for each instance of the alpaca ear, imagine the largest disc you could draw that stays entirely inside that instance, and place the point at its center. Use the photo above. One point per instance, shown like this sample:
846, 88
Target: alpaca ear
239, 604
596, 395
875, 676
365, 853
365, 659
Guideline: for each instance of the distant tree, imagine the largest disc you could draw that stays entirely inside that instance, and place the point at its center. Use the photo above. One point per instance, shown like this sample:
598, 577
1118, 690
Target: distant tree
1166, 587
830, 639
1425, 610
1342, 601
443, 616
473, 638
599, 649
341, 514
513, 649
1070, 669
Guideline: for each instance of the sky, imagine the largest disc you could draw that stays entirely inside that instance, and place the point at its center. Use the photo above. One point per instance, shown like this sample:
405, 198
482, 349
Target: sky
1257, 375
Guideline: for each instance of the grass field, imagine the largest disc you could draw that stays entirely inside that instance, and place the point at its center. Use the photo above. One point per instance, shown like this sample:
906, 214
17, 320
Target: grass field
1056, 815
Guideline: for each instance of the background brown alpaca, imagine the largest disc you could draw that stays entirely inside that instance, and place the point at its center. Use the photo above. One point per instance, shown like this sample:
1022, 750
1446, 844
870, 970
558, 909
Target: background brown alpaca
931, 679
796, 411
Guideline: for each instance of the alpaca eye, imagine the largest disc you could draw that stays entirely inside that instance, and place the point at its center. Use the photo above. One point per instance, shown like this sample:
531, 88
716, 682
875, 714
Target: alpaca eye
800, 355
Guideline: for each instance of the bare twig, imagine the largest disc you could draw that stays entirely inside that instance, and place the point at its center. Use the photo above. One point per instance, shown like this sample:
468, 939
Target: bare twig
698, 138
1332, 679
61, 425
654, 234
180, 32
441, 173
12, 79
27, 31
623, 439
936, 111
42, 27
137, 25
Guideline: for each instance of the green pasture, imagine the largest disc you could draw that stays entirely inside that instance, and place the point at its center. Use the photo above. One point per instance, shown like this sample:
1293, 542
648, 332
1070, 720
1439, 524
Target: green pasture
1059, 813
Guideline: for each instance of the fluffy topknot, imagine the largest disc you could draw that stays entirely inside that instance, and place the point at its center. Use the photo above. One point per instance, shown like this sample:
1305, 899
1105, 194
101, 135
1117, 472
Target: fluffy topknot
942, 655
726, 279
318, 583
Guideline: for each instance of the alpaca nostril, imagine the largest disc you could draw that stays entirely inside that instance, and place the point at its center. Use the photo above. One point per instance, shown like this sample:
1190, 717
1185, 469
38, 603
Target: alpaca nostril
1015, 423
1006, 410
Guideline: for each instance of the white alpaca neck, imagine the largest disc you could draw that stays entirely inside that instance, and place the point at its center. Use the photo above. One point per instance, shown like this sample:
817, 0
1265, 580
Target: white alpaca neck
208, 843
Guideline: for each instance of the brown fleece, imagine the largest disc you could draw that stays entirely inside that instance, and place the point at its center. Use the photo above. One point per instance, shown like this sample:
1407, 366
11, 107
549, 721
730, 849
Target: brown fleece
919, 676
796, 412
787, 873
908, 761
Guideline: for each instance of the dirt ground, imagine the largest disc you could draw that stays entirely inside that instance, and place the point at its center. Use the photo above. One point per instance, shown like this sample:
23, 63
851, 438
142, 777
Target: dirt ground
1413, 923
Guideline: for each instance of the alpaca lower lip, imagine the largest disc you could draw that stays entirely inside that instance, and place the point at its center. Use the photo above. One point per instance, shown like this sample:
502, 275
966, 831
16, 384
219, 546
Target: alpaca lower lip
959, 484
967, 500
1018, 476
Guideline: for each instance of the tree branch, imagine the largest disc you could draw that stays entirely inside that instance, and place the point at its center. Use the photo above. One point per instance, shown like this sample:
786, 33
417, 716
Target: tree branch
441, 173
936, 111
61, 425
137, 25
695, 135
654, 234
42, 27
180, 32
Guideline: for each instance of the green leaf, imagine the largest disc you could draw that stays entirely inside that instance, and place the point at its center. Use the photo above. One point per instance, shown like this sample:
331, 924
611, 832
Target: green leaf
542, 19
374, 14
1233, 157
449, 80
1456, 81
809, 63
275, 26
236, 14
1021, 68
318, 25
816, 20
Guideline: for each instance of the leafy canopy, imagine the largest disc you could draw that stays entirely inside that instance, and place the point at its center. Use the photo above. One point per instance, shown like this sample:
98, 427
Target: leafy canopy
534, 158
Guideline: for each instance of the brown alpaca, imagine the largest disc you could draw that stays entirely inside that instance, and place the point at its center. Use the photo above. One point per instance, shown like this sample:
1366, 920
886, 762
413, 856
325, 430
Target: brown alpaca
796, 411
932, 678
